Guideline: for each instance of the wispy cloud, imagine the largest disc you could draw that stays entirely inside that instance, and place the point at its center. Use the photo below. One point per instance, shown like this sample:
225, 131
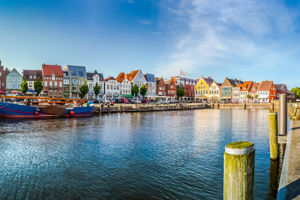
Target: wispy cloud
145, 21
229, 34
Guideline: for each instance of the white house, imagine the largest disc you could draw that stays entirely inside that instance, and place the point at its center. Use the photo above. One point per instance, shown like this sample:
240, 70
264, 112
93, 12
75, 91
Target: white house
125, 85
137, 77
151, 84
214, 90
92, 79
111, 87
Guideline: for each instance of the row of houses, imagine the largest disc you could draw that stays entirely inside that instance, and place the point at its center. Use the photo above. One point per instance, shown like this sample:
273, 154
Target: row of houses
235, 90
66, 82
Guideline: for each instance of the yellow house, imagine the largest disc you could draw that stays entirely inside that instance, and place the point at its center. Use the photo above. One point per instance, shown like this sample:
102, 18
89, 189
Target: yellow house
202, 88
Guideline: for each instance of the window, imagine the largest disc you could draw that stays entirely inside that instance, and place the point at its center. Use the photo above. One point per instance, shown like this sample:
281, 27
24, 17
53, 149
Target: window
50, 83
73, 73
75, 81
80, 73
55, 83
60, 84
46, 84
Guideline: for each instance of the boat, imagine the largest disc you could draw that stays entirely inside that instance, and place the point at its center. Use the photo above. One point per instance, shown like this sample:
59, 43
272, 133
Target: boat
47, 108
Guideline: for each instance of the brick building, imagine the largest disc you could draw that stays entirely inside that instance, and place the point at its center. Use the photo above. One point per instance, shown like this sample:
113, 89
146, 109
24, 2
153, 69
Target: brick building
53, 80
3, 74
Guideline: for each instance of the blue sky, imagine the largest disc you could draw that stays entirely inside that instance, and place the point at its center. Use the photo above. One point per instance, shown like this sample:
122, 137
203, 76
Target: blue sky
251, 40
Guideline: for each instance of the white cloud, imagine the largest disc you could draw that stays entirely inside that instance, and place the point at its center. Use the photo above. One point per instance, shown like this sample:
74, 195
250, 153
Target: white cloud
225, 33
145, 21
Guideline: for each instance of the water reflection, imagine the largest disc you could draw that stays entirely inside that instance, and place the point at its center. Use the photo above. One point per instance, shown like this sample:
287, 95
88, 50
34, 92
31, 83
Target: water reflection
158, 155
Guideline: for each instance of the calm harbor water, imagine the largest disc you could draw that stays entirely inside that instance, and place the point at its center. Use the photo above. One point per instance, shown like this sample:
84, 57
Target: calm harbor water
157, 155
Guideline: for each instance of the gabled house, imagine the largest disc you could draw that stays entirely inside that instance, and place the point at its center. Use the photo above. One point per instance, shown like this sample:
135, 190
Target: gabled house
125, 85
253, 91
245, 91
282, 89
214, 91
112, 87
92, 80
151, 84
202, 88
136, 77
31, 76
161, 87
13, 81
266, 92
53, 80
77, 76
171, 89
226, 88
236, 93
188, 85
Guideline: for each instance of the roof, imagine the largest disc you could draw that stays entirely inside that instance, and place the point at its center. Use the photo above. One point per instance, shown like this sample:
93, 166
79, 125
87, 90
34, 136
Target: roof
132, 75
109, 78
235, 82
254, 87
208, 80
120, 78
280, 87
265, 86
90, 75
150, 77
246, 86
31, 75
48, 70
76, 71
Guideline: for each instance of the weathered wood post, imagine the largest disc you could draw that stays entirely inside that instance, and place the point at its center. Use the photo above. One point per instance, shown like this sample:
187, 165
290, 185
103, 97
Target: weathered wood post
283, 115
273, 136
239, 171
245, 106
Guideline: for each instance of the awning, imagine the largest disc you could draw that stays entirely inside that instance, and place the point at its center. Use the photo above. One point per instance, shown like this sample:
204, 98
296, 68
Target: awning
15, 92
32, 91
2, 92
127, 96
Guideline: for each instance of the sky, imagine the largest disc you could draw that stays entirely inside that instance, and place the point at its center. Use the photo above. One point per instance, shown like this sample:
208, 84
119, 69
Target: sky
246, 39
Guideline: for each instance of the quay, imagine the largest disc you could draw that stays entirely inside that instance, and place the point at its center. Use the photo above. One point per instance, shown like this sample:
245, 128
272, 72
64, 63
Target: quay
117, 108
289, 187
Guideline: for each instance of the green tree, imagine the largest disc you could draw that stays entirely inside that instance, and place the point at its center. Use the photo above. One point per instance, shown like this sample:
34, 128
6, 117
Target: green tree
97, 90
256, 96
180, 91
24, 86
38, 86
135, 90
143, 90
248, 96
296, 91
84, 89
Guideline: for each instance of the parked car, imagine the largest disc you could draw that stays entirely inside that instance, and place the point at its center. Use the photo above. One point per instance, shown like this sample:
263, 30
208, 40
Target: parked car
124, 100
145, 101
136, 100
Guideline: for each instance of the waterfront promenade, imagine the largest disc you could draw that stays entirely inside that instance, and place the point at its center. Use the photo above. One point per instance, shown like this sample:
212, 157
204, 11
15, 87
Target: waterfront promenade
289, 187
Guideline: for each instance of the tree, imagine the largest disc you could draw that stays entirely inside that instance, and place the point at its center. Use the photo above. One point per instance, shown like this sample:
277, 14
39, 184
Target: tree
248, 96
143, 90
84, 89
180, 91
97, 90
135, 90
296, 91
256, 96
38, 86
24, 86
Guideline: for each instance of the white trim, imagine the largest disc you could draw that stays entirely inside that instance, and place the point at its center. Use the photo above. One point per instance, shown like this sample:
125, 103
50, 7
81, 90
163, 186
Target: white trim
239, 151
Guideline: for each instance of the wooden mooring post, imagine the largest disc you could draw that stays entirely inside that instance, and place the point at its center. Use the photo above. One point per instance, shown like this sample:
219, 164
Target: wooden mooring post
273, 136
239, 160
283, 115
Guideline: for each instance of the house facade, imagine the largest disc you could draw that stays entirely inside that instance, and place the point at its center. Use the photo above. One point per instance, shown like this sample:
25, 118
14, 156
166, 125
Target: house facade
92, 80
124, 84
13, 81
151, 84
77, 76
171, 89
53, 78
253, 91
31, 76
202, 88
3, 74
161, 87
282, 89
226, 88
236, 94
214, 91
266, 92
245, 91
112, 87
66, 84
137, 78
188, 85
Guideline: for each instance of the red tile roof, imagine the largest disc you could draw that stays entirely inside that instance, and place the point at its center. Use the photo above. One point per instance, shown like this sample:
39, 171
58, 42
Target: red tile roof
132, 75
265, 86
246, 86
254, 87
121, 77
48, 70
109, 78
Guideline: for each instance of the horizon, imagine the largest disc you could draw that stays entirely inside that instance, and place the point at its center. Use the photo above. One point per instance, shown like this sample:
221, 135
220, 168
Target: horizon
251, 41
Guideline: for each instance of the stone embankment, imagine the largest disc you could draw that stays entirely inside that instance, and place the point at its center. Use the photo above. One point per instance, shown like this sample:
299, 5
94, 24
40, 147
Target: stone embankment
117, 108
294, 111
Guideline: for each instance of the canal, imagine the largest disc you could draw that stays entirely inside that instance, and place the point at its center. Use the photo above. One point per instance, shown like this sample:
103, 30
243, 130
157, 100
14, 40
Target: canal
155, 155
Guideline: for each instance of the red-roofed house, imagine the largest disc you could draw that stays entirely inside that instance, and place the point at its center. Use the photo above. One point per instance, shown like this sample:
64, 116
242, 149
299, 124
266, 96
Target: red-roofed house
125, 86
245, 90
266, 92
53, 80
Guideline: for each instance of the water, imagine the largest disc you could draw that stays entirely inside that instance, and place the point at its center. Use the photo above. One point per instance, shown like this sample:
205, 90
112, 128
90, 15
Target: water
157, 155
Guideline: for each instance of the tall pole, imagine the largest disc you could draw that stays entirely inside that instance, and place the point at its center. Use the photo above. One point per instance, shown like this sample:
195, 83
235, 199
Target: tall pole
283, 115
273, 136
